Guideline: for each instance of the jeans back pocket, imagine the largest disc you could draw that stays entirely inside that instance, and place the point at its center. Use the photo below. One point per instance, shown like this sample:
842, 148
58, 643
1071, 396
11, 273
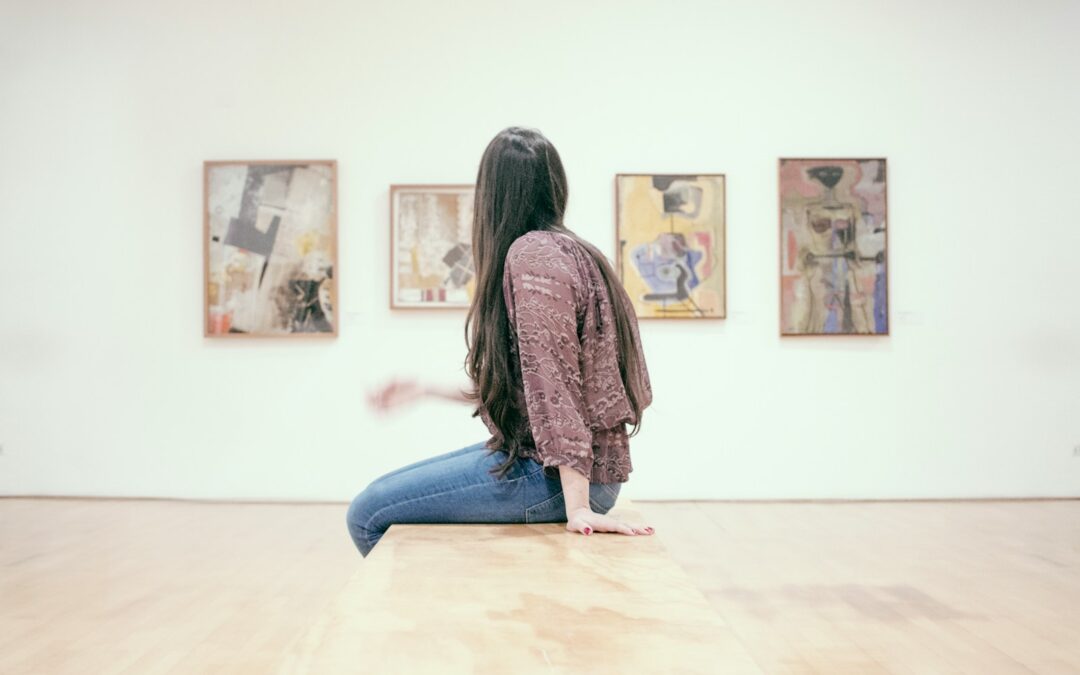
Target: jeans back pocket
602, 498
551, 510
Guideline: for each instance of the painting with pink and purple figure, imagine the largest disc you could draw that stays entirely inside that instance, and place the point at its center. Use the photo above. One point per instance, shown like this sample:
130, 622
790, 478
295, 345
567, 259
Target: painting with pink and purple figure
833, 247
670, 235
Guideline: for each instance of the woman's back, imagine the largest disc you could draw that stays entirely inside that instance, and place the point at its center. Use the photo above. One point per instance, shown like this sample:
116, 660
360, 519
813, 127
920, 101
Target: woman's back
565, 351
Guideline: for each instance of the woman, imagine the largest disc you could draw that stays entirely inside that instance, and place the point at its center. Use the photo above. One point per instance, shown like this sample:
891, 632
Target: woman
556, 368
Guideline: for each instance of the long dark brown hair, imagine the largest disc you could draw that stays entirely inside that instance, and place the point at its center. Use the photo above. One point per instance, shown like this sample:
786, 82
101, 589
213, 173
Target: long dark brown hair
521, 186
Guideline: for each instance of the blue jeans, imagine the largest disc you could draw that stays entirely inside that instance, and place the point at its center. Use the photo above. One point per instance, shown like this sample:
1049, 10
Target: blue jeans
457, 488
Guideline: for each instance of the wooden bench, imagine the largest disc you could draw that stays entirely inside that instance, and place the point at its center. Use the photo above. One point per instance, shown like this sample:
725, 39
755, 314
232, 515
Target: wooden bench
518, 599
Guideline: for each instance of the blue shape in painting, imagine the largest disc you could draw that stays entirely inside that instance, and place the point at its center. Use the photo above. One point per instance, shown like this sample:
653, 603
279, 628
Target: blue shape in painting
880, 321
668, 266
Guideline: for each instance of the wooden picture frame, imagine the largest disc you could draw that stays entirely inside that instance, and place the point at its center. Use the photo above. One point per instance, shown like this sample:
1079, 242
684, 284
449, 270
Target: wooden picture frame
437, 239
854, 239
270, 248
673, 283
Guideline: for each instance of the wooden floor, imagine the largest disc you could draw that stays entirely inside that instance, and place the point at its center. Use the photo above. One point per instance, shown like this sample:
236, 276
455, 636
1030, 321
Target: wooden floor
104, 586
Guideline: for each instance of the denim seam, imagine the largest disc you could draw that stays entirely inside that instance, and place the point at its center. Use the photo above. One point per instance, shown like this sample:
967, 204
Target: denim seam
611, 492
367, 527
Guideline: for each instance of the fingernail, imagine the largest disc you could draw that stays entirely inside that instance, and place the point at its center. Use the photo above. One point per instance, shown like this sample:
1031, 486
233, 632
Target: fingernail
588, 530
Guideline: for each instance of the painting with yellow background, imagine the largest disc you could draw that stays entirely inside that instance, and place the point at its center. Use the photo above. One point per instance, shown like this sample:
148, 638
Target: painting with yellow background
670, 239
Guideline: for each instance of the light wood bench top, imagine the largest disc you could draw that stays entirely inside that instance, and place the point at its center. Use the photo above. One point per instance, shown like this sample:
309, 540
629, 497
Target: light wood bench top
518, 599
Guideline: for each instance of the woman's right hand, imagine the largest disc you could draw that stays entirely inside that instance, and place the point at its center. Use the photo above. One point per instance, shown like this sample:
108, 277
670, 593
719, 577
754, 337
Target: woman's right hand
585, 521
396, 393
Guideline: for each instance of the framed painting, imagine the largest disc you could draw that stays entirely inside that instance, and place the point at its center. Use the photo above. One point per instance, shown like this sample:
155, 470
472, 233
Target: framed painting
833, 247
670, 244
270, 248
431, 263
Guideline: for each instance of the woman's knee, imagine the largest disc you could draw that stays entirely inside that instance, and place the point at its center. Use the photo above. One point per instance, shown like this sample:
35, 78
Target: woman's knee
359, 519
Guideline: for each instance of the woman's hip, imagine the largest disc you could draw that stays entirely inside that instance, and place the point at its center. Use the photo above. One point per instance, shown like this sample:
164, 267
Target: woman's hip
461, 487
457, 487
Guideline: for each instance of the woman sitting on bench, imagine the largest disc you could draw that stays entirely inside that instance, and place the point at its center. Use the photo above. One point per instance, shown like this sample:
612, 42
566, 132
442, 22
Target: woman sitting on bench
556, 367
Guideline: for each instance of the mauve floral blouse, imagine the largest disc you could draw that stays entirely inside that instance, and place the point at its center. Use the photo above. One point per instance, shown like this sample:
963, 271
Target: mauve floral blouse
566, 366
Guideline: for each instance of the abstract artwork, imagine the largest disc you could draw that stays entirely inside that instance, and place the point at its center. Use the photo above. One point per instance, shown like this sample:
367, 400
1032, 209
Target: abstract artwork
833, 247
270, 248
670, 244
431, 246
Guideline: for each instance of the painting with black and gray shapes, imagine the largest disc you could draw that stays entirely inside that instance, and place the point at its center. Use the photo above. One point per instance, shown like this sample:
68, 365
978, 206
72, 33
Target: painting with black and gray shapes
271, 248
432, 252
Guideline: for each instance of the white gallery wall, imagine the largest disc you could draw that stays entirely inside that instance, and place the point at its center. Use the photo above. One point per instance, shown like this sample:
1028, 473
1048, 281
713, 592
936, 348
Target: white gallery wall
109, 108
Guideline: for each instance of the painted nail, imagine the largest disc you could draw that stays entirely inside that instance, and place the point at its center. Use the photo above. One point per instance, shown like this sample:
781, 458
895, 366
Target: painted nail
588, 530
